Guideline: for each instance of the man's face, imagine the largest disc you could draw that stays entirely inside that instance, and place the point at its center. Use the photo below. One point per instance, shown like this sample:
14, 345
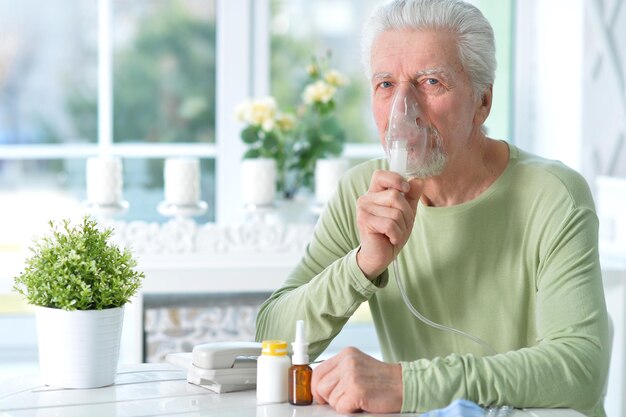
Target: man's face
430, 61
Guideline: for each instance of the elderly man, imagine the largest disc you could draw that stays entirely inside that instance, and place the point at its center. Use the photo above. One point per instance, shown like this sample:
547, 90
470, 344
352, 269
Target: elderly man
489, 239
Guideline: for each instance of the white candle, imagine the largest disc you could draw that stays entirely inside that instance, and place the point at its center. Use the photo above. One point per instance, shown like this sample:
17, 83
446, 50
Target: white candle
182, 181
258, 181
104, 180
327, 175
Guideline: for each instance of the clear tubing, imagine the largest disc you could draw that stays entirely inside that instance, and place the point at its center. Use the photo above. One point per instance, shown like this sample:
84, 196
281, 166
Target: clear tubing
431, 323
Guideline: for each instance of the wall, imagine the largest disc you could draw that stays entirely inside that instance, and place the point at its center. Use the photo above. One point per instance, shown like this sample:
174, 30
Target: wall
548, 79
570, 83
604, 88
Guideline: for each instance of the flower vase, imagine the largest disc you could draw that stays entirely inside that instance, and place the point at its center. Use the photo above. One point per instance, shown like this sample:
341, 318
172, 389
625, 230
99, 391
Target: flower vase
328, 172
258, 182
79, 348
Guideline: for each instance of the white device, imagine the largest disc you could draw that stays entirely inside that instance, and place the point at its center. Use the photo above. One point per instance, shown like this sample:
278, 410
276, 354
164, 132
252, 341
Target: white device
221, 366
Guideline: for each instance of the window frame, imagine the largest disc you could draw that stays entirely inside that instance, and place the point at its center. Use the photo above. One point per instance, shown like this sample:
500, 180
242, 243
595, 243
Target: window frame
243, 64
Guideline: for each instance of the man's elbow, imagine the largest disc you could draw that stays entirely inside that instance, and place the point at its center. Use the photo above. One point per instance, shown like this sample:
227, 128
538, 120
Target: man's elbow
590, 367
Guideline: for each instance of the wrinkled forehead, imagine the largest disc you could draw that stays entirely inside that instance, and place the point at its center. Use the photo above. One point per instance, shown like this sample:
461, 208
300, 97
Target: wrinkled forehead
415, 53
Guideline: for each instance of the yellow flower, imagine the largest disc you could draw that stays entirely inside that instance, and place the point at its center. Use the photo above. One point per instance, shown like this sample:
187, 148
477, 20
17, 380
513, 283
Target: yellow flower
285, 121
318, 92
259, 112
241, 110
335, 78
312, 70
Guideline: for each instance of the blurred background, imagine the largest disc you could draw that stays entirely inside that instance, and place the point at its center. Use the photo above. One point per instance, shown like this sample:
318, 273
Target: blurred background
559, 89
151, 79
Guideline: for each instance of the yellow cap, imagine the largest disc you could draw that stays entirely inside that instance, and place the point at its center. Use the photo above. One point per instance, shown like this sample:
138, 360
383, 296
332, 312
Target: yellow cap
274, 347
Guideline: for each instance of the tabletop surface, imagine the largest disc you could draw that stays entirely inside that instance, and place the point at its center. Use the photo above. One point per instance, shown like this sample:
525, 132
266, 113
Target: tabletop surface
160, 390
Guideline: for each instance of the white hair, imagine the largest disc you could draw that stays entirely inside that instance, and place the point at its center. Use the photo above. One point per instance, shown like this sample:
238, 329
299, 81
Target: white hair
475, 38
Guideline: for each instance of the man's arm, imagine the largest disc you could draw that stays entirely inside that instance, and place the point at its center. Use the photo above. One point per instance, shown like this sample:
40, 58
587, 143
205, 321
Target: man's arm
567, 368
327, 285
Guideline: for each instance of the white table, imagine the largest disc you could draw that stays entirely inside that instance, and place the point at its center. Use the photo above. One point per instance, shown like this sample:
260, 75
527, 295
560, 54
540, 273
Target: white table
159, 390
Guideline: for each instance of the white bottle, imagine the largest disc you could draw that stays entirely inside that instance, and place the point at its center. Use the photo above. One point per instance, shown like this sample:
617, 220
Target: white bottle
272, 372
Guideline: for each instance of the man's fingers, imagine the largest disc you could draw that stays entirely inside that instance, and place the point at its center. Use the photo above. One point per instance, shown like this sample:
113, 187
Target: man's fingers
324, 387
344, 403
415, 192
384, 226
389, 204
401, 217
323, 380
383, 180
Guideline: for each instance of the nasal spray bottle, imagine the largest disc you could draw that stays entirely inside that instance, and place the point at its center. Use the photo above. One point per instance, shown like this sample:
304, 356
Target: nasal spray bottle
300, 372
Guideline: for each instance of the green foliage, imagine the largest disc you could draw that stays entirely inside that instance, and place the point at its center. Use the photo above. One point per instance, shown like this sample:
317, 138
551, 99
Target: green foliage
297, 141
290, 53
77, 268
164, 82
320, 135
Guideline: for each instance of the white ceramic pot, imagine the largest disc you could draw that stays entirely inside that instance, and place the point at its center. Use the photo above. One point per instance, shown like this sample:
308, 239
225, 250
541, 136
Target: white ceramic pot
78, 349
258, 181
328, 172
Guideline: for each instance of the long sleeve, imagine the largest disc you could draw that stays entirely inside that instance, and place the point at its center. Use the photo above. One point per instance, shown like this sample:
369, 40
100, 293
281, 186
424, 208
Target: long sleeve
327, 286
517, 266
567, 367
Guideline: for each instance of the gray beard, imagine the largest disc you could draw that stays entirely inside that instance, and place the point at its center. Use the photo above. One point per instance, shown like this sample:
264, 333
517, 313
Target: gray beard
434, 162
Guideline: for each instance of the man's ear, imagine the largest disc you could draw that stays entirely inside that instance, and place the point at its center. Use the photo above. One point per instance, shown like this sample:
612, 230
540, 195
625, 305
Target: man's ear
484, 106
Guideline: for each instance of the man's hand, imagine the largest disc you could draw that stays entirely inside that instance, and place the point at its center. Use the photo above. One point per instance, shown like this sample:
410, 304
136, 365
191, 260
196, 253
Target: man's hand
352, 381
385, 216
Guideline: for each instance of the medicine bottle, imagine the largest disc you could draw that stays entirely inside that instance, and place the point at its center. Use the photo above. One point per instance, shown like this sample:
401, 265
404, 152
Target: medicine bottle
300, 372
271, 373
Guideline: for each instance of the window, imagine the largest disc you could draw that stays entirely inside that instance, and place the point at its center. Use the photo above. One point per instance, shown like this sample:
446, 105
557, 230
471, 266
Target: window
300, 29
150, 79
144, 82
62, 97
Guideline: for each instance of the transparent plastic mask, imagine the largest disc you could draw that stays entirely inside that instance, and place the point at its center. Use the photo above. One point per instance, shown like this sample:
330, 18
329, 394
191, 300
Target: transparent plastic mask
406, 138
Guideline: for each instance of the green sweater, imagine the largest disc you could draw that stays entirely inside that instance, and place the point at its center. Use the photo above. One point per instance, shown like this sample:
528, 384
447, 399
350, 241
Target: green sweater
517, 266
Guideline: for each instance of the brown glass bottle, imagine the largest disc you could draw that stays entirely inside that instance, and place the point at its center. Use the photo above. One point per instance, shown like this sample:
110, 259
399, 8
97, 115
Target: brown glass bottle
300, 385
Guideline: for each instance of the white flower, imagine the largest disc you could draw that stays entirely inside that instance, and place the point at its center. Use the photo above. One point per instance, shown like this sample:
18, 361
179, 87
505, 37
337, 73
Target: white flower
318, 92
312, 70
268, 124
335, 78
285, 121
259, 112
242, 110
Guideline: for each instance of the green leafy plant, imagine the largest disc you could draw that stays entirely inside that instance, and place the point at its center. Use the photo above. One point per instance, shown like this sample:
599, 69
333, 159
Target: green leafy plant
77, 268
296, 140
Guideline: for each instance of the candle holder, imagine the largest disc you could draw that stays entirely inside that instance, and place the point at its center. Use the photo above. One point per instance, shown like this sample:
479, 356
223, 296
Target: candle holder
104, 181
182, 189
107, 210
166, 208
328, 172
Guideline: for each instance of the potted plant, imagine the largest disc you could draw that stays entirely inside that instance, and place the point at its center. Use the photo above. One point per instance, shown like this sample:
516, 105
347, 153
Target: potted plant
295, 141
78, 282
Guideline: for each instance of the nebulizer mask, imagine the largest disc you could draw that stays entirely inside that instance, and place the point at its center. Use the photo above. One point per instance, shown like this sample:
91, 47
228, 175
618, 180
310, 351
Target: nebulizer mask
409, 144
406, 139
